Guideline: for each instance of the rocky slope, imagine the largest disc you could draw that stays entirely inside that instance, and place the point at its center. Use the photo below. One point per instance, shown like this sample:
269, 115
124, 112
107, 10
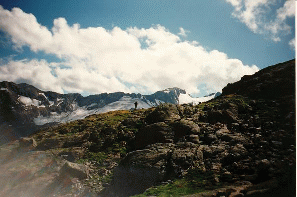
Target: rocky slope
233, 145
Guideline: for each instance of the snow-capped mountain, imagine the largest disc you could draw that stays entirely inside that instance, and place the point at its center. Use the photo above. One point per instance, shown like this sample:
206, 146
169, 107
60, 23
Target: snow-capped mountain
24, 108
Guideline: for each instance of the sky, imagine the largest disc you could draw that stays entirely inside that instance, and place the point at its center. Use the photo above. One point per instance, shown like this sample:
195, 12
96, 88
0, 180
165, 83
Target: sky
142, 46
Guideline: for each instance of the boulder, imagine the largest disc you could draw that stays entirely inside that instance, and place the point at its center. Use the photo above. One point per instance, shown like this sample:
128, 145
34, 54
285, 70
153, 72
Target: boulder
193, 138
158, 132
140, 170
184, 127
164, 112
74, 170
27, 143
184, 156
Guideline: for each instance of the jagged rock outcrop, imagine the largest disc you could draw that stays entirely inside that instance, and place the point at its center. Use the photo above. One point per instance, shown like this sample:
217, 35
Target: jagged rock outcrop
269, 83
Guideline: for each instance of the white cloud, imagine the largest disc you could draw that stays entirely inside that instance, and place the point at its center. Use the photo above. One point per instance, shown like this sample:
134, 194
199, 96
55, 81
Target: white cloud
183, 32
288, 10
34, 72
292, 44
255, 15
97, 60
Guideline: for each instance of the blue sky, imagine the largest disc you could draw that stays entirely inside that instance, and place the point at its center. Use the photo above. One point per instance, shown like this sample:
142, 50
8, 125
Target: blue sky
142, 46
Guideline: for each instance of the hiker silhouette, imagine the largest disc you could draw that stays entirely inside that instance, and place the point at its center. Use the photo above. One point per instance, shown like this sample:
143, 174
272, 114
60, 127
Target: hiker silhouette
135, 104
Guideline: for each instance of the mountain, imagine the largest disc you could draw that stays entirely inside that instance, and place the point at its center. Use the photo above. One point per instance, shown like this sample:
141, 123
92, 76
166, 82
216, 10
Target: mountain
24, 108
241, 143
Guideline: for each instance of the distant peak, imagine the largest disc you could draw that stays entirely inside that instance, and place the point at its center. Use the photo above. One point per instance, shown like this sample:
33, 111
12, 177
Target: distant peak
175, 89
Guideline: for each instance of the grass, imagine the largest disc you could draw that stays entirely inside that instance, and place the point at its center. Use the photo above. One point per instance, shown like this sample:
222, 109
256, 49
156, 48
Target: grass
177, 188
194, 182
98, 157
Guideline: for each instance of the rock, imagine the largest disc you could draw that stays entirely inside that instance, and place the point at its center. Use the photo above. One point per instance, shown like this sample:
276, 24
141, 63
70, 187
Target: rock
50, 143
142, 169
186, 110
193, 138
27, 143
163, 160
222, 116
226, 135
211, 151
259, 192
269, 83
209, 138
276, 143
226, 176
238, 150
74, 170
155, 133
72, 155
164, 112
154, 156
185, 156
184, 127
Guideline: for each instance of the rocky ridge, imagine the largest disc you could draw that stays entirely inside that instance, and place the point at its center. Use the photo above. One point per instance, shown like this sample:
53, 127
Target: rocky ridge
234, 145
25, 109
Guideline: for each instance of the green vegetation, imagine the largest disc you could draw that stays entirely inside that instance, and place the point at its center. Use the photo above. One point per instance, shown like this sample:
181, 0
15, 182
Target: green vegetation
101, 136
194, 182
177, 188
98, 157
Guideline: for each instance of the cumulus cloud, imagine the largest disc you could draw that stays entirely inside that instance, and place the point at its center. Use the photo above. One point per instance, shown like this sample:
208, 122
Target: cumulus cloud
97, 60
34, 72
255, 15
292, 43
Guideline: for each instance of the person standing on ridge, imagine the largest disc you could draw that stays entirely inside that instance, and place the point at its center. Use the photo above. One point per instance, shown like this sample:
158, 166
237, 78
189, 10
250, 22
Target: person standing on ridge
135, 104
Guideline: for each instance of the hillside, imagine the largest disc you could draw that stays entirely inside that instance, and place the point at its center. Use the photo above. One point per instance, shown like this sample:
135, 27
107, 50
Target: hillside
241, 143
25, 109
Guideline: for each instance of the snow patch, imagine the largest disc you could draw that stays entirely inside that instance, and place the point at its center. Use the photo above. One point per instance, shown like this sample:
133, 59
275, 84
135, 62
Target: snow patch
185, 98
42, 94
51, 103
63, 117
5, 89
28, 101
125, 103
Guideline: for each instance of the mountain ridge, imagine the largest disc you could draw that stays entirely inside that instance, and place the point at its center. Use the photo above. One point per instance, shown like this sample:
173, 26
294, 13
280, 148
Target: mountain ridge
24, 108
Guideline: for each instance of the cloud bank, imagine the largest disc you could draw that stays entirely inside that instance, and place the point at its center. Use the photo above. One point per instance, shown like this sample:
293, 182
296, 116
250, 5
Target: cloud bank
256, 15
96, 60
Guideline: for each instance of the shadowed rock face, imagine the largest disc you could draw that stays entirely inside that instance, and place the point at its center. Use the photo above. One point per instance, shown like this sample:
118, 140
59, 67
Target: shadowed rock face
272, 82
